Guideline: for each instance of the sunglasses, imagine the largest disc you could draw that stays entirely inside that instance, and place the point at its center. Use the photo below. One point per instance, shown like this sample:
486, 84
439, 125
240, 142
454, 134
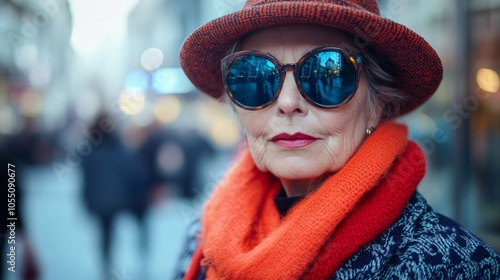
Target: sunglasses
326, 77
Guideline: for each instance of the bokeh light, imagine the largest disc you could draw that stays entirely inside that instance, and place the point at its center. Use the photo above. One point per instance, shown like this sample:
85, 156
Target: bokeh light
170, 158
31, 103
488, 80
137, 80
151, 59
167, 109
224, 131
131, 102
170, 80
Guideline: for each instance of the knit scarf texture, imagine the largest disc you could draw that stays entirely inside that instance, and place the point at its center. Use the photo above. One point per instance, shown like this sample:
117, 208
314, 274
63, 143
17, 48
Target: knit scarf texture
243, 235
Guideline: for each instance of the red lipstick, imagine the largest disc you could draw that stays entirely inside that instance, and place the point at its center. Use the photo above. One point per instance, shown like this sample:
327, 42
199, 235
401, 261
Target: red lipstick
296, 140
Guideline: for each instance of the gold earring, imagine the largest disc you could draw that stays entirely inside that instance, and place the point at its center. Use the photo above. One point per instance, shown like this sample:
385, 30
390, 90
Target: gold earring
370, 130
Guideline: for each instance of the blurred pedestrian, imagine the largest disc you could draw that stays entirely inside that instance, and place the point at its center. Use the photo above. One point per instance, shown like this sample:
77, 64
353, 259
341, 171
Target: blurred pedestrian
113, 183
172, 158
19, 152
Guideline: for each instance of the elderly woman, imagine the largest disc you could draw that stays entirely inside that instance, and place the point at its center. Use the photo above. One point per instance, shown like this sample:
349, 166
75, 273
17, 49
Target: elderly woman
325, 186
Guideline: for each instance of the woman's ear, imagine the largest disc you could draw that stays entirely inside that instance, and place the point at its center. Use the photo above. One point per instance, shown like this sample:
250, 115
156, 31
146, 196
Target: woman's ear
375, 114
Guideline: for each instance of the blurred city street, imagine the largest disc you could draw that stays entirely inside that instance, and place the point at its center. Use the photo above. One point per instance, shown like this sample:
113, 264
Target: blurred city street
116, 150
66, 237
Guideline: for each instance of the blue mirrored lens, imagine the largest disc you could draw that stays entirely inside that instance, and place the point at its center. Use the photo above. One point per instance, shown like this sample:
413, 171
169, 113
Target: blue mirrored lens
252, 80
328, 78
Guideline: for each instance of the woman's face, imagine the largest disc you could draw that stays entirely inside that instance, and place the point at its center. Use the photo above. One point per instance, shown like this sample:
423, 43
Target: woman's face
323, 139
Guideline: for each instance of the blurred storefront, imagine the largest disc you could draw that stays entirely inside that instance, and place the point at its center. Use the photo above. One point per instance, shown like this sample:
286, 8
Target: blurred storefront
459, 129
35, 56
484, 92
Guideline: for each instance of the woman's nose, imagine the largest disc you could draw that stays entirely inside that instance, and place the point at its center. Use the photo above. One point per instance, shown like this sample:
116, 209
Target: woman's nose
290, 101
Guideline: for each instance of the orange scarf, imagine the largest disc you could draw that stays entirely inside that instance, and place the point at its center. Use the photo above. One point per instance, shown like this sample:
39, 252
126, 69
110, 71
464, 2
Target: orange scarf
244, 237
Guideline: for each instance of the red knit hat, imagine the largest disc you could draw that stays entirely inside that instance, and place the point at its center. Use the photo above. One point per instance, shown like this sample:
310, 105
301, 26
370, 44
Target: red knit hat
414, 64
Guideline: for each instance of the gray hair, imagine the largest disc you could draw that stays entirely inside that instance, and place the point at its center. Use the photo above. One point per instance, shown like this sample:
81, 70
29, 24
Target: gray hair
383, 93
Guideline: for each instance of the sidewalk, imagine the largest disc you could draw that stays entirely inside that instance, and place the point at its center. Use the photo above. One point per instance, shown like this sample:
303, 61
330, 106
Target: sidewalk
67, 241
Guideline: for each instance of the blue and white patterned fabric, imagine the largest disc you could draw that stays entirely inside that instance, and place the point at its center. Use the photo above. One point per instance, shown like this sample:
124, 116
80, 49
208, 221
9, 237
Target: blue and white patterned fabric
421, 244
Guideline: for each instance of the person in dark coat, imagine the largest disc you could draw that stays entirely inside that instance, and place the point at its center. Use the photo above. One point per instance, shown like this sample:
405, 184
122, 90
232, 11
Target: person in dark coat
113, 179
20, 152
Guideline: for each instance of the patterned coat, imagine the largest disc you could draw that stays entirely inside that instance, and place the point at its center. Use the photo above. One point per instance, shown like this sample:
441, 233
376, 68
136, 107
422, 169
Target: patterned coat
421, 244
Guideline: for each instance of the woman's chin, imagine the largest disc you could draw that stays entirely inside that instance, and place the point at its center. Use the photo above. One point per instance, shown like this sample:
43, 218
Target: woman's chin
297, 172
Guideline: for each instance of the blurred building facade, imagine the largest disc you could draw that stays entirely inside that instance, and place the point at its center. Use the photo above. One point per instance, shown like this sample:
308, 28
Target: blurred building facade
484, 100
35, 56
459, 127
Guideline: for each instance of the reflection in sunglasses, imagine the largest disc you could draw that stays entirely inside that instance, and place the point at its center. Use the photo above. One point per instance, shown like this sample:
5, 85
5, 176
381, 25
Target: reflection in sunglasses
326, 77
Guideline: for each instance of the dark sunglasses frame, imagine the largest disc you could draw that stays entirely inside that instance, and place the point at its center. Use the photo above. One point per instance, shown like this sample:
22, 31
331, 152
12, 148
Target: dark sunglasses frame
354, 58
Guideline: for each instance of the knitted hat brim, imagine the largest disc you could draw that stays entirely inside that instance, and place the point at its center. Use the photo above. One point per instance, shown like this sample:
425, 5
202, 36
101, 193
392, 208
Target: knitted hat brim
415, 65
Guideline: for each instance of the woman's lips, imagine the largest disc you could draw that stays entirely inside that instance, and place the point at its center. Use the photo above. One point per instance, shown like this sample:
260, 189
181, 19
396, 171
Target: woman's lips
296, 140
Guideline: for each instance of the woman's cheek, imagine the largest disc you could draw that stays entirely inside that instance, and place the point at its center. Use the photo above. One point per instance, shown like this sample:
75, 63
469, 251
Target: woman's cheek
257, 149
